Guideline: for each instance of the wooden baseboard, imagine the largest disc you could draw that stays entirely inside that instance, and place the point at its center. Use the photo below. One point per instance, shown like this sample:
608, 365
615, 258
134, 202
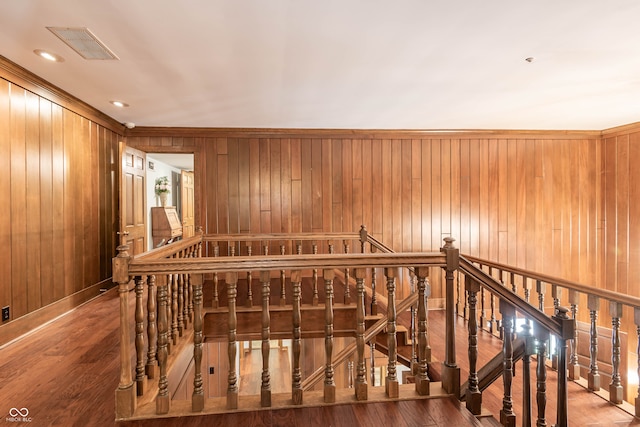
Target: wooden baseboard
33, 321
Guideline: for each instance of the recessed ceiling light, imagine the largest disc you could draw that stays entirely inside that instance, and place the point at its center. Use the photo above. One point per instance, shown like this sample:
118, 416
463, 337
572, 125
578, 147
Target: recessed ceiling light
529, 59
119, 104
48, 55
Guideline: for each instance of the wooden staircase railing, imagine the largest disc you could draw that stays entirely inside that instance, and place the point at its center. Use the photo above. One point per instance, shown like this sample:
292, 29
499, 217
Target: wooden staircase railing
170, 316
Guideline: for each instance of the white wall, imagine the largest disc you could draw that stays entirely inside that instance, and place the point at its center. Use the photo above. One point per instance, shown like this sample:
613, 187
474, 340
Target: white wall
159, 169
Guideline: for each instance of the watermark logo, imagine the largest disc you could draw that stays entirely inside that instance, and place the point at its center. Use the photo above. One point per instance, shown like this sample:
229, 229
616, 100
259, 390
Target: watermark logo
20, 415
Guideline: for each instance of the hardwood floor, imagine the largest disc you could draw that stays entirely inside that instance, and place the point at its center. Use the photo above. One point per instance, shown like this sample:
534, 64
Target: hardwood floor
66, 372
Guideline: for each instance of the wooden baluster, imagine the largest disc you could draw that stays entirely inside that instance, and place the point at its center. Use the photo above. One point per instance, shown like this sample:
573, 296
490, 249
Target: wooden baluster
174, 308
450, 369
347, 277
141, 379
541, 288
190, 308
296, 377
151, 369
197, 398
460, 306
556, 293
474, 396
423, 384
169, 282
216, 300
249, 280
483, 316
185, 292
232, 386
180, 306
568, 327
329, 383
541, 376
574, 367
391, 383
593, 378
315, 277
372, 363
265, 389
615, 387
636, 318
361, 371
163, 400
374, 299
527, 289
283, 293
529, 350
507, 416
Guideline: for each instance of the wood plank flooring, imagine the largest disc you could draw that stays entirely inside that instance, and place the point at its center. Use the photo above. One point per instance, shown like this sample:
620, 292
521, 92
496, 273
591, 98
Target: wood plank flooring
66, 372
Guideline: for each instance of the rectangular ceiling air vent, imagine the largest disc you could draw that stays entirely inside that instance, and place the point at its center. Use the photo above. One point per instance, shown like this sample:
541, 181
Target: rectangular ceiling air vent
84, 42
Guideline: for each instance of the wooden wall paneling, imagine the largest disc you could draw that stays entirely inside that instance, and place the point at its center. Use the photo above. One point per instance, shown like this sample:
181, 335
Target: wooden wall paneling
68, 200
85, 183
233, 181
357, 188
545, 189
530, 207
368, 195
46, 204
634, 214
104, 194
275, 176
474, 197
58, 177
6, 133
254, 189
211, 185
244, 186
512, 199
396, 191
455, 190
32, 191
484, 198
594, 178
416, 195
92, 199
285, 188
538, 190
222, 188
296, 186
316, 185
386, 233
464, 242
436, 194
405, 192
327, 195
609, 273
622, 212
336, 185
18, 202
503, 200
445, 190
307, 197
494, 199
376, 188
346, 190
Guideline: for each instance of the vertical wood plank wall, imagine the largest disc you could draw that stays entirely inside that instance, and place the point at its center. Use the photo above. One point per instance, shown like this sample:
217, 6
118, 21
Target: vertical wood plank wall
529, 201
58, 186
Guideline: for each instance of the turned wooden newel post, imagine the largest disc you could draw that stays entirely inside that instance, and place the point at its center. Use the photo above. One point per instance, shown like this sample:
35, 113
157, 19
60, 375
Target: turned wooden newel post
474, 395
424, 352
615, 386
361, 368
507, 416
197, 398
391, 383
329, 383
450, 370
232, 381
593, 378
126, 391
568, 326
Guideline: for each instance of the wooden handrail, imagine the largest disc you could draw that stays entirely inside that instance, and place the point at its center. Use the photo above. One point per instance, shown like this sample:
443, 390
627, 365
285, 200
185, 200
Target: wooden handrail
279, 236
202, 265
602, 293
507, 295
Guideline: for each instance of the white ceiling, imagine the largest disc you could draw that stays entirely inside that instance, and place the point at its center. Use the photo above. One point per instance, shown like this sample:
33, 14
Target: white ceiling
355, 64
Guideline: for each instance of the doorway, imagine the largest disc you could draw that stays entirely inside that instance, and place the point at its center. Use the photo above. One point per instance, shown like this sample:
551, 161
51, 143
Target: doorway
177, 168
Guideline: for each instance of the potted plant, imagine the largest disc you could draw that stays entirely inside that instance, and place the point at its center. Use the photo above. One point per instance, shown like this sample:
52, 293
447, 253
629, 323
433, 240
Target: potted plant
162, 189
